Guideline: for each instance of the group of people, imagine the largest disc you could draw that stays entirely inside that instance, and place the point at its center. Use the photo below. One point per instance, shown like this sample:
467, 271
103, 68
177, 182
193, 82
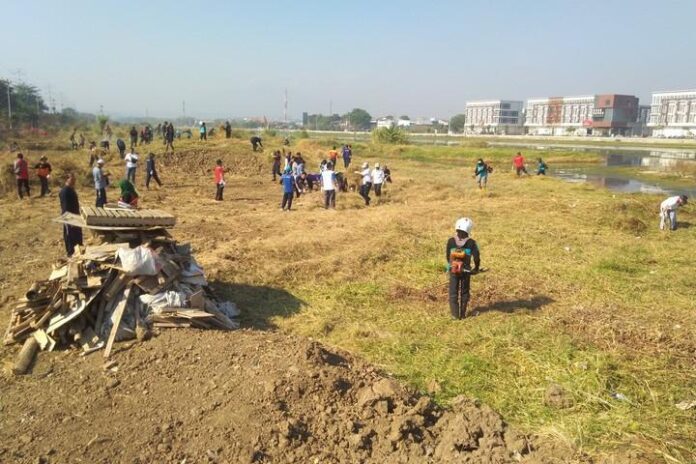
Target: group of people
370, 179
21, 171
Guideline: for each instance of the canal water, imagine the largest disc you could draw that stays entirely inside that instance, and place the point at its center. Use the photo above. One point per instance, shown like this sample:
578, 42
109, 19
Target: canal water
620, 168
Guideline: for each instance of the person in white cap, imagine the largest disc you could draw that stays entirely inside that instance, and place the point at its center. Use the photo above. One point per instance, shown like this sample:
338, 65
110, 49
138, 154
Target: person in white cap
100, 183
366, 183
377, 179
668, 211
459, 252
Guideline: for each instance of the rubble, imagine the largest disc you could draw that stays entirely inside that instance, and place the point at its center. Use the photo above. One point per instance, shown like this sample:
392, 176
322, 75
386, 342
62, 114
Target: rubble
137, 279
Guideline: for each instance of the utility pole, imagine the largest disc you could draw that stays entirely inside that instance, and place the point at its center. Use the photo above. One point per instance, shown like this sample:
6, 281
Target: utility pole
330, 108
285, 107
9, 104
183, 108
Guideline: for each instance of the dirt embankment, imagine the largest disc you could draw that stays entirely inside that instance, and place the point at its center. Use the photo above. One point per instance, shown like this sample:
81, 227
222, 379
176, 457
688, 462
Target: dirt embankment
246, 396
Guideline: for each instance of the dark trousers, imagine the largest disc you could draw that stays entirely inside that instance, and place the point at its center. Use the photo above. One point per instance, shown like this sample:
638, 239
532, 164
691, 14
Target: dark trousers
520, 170
254, 146
346, 162
44, 185
459, 294
152, 175
218, 192
134, 142
329, 199
168, 145
71, 236
122, 152
276, 169
287, 200
365, 192
130, 174
204, 136
22, 183
378, 190
101, 198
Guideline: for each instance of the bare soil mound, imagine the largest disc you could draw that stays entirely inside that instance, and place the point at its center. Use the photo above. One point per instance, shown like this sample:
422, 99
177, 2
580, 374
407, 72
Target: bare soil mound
248, 396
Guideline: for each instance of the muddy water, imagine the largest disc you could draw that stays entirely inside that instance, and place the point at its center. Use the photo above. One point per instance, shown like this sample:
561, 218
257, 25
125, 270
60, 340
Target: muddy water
623, 169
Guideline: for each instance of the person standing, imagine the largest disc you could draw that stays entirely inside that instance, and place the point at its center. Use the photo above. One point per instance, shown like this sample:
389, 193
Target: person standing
366, 182
203, 131
377, 179
518, 164
276, 164
109, 132
668, 211
459, 252
133, 137
151, 171
228, 130
347, 155
328, 185
131, 165
169, 137
481, 173
21, 170
69, 203
100, 183
541, 167
73, 141
219, 175
43, 172
333, 155
287, 180
81, 144
121, 145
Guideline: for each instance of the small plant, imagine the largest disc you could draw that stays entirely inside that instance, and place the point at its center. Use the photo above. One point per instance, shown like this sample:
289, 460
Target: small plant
390, 135
303, 134
102, 120
270, 132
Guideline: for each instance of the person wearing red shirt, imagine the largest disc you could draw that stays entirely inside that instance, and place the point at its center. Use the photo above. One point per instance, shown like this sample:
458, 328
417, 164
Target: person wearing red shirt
518, 163
21, 170
219, 174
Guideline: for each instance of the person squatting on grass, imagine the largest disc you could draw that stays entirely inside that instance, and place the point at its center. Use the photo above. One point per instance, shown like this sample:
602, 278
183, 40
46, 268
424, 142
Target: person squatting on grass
668, 211
21, 170
366, 183
69, 203
328, 185
43, 172
481, 172
518, 164
459, 252
288, 182
219, 174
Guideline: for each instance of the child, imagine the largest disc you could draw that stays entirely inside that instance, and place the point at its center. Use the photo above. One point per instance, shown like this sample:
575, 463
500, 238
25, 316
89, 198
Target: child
541, 167
459, 251
219, 174
481, 171
288, 182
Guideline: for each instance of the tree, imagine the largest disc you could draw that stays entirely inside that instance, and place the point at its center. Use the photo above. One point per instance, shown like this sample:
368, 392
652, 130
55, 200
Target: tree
358, 119
457, 123
404, 118
102, 119
390, 135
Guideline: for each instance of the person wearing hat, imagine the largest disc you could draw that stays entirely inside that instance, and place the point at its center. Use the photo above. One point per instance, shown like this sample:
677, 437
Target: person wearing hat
69, 203
459, 252
366, 182
43, 171
329, 186
668, 211
288, 182
100, 183
21, 170
377, 179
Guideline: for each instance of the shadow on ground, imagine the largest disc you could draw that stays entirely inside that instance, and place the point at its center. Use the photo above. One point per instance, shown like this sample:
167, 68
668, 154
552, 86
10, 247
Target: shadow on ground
511, 306
257, 303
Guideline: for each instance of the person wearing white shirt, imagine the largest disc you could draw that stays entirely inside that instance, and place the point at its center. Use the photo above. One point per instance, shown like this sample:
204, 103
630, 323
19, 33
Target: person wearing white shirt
366, 183
377, 179
668, 211
131, 165
328, 185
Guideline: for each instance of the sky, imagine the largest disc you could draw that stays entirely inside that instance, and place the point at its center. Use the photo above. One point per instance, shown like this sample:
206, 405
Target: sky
418, 58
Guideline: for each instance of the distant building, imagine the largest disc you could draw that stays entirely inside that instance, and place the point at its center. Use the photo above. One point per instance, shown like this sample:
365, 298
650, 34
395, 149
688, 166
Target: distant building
641, 129
405, 123
305, 118
504, 117
385, 122
673, 114
560, 115
614, 114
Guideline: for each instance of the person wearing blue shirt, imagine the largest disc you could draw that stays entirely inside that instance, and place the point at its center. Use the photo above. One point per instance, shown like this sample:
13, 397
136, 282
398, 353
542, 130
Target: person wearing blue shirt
288, 182
481, 172
203, 131
100, 183
541, 167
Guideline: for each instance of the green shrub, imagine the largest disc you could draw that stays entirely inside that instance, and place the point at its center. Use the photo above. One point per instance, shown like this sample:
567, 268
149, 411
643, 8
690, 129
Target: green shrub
389, 135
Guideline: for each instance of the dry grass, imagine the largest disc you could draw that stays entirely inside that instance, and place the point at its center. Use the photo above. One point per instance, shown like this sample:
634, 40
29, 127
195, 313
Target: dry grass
583, 290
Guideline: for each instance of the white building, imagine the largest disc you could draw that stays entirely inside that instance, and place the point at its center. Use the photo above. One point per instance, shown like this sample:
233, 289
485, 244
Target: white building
673, 114
405, 123
560, 115
502, 117
386, 122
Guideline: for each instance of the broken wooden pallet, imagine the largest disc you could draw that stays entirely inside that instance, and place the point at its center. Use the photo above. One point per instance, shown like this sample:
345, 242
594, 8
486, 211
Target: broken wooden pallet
127, 217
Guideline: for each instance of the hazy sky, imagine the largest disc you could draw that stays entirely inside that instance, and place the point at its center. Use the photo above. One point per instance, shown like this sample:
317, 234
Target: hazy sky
421, 58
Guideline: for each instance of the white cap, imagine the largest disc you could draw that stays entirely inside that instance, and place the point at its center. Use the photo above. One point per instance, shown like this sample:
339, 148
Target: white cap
376, 165
464, 224
100, 161
366, 165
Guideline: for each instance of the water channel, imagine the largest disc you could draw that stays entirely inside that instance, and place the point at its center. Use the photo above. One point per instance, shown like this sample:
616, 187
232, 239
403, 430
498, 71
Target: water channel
624, 169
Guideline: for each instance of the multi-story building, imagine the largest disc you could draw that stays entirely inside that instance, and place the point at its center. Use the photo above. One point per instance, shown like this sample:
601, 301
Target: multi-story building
501, 117
560, 115
614, 114
673, 114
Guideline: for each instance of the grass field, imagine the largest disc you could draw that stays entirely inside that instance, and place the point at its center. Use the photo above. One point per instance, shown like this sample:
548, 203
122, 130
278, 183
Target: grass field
582, 290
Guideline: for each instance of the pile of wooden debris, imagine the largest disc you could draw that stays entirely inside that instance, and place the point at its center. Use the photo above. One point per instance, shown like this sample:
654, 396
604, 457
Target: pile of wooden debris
116, 291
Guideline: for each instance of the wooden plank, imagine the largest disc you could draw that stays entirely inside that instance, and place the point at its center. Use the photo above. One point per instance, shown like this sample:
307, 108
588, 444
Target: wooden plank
118, 314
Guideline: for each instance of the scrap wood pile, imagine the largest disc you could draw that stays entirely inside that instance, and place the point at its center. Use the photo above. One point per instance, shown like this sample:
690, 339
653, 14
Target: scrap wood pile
113, 292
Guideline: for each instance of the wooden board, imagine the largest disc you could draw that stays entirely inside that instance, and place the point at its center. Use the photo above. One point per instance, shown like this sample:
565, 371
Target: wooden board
127, 218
